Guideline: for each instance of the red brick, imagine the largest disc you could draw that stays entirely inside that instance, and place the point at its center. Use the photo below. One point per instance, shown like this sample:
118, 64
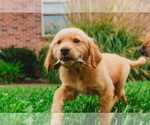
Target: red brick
15, 34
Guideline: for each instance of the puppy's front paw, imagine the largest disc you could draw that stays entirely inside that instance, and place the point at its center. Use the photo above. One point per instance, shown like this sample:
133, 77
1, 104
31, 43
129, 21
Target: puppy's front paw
56, 118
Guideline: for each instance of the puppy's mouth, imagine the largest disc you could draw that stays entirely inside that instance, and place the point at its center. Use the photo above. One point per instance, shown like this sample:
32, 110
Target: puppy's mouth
67, 59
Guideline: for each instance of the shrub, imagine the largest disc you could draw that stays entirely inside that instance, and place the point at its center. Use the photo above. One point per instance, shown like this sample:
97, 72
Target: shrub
52, 76
10, 72
22, 55
40, 60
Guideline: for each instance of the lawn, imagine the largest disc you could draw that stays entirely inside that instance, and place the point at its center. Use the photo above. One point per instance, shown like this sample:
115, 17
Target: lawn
38, 99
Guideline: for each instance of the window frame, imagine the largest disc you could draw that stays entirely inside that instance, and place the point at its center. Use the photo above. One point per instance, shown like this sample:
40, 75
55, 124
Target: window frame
50, 14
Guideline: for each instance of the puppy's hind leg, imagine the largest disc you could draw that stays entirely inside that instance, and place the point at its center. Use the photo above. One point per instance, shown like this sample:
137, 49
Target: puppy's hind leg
120, 92
119, 86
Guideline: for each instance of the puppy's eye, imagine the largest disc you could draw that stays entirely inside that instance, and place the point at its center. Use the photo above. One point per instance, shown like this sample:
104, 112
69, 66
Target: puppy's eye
59, 41
76, 40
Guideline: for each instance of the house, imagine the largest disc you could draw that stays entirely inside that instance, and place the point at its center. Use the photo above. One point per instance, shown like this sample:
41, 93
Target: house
24, 23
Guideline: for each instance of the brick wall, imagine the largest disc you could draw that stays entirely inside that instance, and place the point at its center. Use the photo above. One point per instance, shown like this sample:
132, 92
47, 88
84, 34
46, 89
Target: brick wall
20, 29
20, 23
20, 6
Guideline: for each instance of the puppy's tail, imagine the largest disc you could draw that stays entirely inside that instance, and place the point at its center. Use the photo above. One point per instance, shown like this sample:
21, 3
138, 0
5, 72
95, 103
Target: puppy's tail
138, 62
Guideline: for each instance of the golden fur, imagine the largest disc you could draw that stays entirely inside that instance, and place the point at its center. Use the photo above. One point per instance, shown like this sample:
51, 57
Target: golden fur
102, 74
145, 48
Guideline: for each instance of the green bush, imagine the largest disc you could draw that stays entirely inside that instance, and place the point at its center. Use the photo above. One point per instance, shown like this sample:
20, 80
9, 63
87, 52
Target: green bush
10, 72
52, 76
22, 55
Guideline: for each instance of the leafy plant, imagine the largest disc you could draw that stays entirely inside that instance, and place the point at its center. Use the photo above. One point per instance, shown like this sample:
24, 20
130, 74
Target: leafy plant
10, 72
40, 61
52, 76
22, 55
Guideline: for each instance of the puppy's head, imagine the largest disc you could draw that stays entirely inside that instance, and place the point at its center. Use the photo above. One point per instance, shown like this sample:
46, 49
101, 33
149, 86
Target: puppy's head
71, 44
145, 47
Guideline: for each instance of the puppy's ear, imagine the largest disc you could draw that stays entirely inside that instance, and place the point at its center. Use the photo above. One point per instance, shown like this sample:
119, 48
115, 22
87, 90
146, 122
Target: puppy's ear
95, 54
48, 60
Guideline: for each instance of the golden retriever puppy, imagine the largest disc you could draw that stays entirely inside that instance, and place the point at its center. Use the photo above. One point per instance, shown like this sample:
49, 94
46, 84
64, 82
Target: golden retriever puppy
84, 69
145, 48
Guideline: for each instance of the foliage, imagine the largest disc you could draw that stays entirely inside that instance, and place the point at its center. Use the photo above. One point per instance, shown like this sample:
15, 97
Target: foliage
10, 72
40, 61
22, 55
52, 76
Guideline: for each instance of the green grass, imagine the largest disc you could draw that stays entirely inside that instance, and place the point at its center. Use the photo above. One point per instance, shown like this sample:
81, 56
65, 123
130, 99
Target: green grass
38, 99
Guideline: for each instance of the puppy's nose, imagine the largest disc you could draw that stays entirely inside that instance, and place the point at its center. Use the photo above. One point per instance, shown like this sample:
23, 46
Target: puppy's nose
64, 51
142, 50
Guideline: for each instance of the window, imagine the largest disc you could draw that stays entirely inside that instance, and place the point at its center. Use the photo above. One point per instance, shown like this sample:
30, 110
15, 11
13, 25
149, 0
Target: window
55, 17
